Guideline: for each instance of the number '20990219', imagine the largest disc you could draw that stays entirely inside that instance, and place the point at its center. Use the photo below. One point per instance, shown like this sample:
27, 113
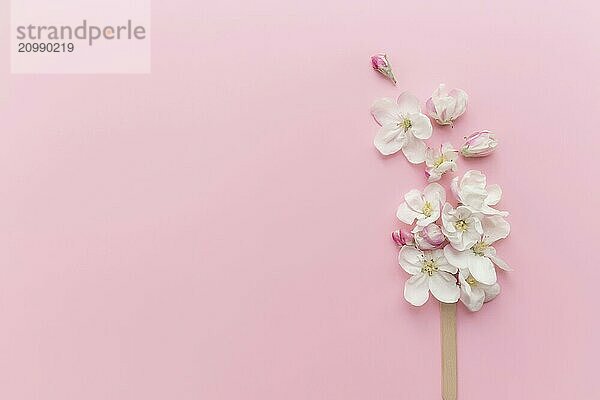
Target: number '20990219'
46, 47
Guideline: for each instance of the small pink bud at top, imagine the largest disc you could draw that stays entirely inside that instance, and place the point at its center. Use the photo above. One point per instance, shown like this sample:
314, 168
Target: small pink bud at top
379, 61
402, 238
381, 64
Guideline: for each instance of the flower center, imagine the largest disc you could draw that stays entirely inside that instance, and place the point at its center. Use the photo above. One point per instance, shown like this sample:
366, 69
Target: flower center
429, 267
480, 248
427, 209
471, 281
439, 161
461, 225
406, 124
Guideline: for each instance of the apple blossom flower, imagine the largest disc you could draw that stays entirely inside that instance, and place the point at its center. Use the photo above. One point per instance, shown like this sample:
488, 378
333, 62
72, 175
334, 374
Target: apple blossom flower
402, 237
473, 294
481, 257
429, 237
430, 272
424, 207
380, 63
471, 191
461, 226
445, 106
479, 144
440, 162
403, 127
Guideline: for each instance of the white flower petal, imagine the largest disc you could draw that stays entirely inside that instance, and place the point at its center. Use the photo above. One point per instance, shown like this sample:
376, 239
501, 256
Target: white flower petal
389, 140
469, 238
446, 166
462, 212
386, 111
444, 265
463, 274
473, 178
416, 290
441, 91
457, 242
494, 195
405, 214
455, 257
494, 228
435, 193
471, 190
443, 287
408, 103
449, 151
410, 259
477, 223
455, 188
435, 214
491, 291
437, 255
433, 175
421, 126
472, 297
481, 268
461, 102
448, 218
444, 107
429, 157
414, 149
414, 199
491, 254
487, 210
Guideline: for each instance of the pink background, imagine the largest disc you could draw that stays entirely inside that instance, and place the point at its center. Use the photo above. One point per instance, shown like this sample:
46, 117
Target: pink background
219, 229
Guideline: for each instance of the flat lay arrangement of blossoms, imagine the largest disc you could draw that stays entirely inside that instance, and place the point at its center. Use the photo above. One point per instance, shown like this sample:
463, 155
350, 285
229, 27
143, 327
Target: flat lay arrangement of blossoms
447, 246
403, 126
449, 250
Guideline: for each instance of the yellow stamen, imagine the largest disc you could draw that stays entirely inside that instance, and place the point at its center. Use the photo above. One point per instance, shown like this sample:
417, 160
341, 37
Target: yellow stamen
406, 124
480, 248
427, 209
439, 161
471, 281
461, 225
429, 267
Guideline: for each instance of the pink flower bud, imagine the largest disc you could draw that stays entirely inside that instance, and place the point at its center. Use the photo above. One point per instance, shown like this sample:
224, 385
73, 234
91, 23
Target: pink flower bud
430, 237
479, 144
402, 238
381, 64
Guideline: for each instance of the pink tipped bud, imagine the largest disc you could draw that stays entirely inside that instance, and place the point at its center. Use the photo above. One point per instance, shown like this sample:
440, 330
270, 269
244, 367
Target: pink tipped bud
479, 144
430, 237
402, 238
381, 64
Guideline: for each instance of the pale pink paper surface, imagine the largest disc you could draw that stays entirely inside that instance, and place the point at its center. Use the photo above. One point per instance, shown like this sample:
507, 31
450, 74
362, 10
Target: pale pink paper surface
219, 229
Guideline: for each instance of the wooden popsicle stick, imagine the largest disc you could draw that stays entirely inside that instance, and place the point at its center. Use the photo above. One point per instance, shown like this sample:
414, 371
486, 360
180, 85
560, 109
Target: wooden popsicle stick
448, 338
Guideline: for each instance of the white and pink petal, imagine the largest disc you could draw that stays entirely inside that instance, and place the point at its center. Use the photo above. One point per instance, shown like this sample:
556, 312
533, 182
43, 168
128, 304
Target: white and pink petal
444, 288
416, 289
